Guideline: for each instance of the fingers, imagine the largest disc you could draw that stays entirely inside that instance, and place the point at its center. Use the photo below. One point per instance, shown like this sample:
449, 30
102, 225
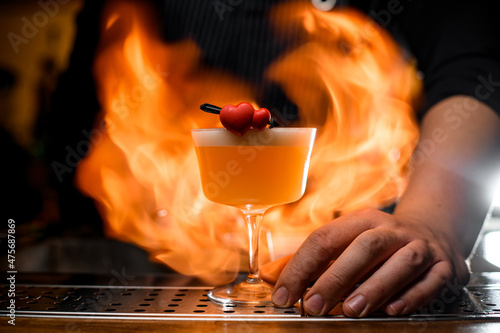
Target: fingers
314, 255
397, 267
435, 288
367, 251
400, 270
422, 292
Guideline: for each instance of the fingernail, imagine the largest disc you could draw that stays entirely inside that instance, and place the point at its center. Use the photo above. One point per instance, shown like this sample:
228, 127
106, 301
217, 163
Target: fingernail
357, 304
314, 304
280, 297
397, 306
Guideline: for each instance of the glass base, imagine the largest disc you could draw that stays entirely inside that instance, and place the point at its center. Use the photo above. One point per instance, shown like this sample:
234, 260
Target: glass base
250, 292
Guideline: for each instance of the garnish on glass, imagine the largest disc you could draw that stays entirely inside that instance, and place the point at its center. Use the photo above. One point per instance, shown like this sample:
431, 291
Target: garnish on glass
240, 118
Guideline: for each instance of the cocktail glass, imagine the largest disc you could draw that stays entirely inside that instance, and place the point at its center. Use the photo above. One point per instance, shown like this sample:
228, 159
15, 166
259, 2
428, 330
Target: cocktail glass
254, 172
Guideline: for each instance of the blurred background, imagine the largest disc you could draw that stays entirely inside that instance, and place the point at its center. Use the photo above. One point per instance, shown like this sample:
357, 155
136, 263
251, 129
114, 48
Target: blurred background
48, 107
47, 110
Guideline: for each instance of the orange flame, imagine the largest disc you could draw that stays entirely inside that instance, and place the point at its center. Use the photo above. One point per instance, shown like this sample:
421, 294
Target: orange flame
350, 82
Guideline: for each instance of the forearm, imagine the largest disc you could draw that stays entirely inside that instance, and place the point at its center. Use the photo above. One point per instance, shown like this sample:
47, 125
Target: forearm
403, 261
453, 168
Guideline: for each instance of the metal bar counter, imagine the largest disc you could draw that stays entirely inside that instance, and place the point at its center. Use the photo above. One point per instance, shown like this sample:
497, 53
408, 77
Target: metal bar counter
175, 303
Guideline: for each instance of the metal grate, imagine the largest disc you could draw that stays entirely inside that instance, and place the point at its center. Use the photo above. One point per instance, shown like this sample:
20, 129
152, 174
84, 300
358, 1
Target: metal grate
136, 301
192, 303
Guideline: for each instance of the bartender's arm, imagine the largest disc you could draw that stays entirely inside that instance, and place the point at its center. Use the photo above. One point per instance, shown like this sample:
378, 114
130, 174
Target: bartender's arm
401, 262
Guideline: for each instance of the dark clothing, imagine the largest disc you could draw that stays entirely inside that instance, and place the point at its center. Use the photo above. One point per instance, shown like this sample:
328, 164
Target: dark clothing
456, 43
457, 46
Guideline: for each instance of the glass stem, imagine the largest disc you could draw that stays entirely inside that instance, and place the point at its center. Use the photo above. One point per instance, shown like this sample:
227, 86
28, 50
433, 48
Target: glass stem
253, 225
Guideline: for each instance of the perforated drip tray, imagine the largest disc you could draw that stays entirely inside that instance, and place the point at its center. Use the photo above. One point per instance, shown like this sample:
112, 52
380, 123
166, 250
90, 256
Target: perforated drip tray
479, 300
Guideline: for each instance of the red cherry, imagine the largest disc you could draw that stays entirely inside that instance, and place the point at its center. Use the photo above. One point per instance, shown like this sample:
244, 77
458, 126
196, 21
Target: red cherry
237, 119
260, 119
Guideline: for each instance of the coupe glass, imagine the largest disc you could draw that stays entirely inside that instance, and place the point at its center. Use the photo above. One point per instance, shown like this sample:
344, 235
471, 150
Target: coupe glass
254, 172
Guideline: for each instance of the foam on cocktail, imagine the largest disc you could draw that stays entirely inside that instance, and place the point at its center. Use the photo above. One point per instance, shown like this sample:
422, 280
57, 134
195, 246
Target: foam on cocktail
269, 137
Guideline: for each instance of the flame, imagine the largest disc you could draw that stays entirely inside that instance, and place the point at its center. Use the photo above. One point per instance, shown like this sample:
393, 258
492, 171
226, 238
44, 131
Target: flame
361, 92
350, 81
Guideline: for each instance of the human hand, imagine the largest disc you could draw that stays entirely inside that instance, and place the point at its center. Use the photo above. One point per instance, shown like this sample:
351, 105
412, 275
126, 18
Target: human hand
399, 264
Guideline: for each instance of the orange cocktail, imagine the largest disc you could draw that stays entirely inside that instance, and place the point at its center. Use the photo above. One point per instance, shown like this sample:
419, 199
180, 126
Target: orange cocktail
253, 172
253, 175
